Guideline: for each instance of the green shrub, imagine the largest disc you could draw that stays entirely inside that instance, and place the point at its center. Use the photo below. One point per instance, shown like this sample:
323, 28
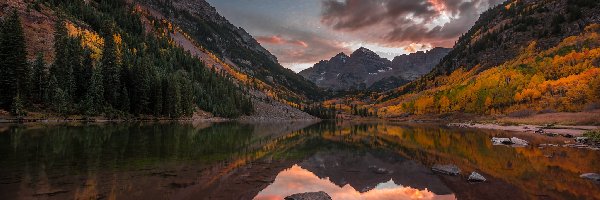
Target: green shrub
593, 135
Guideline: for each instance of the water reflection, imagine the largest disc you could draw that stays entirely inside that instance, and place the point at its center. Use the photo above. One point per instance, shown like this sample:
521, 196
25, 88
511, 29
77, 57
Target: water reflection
272, 160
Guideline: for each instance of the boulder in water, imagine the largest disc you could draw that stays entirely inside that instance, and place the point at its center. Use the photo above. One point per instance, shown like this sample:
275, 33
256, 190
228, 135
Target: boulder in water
309, 196
501, 141
509, 141
591, 176
446, 169
476, 177
517, 141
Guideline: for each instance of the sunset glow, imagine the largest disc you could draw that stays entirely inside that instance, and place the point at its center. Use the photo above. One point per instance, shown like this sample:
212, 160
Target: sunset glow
298, 180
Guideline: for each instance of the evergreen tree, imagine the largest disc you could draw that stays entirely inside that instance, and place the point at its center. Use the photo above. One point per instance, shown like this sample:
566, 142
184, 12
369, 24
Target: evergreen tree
94, 99
15, 75
39, 79
110, 69
124, 100
18, 109
62, 69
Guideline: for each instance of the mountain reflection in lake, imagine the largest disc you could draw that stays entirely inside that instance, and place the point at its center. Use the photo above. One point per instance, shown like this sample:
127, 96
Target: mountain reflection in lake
378, 160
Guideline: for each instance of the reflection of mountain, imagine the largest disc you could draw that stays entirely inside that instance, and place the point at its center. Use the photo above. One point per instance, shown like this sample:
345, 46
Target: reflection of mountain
296, 179
238, 161
514, 173
364, 171
59, 162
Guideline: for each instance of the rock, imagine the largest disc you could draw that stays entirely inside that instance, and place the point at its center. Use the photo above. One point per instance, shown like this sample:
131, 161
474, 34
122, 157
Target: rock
380, 170
539, 131
567, 135
591, 176
551, 134
476, 177
517, 141
581, 139
509, 141
446, 169
500, 141
309, 196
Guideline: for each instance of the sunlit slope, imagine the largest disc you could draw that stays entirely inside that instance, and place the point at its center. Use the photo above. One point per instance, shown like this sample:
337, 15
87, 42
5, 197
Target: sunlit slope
520, 55
562, 78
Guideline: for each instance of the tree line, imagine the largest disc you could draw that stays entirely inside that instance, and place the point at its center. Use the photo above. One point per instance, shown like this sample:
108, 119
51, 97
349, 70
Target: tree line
138, 73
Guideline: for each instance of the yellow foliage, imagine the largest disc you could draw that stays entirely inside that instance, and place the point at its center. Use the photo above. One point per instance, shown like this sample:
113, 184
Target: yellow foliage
563, 78
89, 39
444, 104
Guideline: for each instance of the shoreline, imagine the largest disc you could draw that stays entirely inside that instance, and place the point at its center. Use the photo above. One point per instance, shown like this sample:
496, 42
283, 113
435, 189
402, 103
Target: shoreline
565, 131
102, 120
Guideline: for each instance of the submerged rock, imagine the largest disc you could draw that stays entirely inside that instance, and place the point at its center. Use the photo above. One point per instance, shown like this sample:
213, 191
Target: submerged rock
476, 177
591, 176
446, 169
380, 170
309, 196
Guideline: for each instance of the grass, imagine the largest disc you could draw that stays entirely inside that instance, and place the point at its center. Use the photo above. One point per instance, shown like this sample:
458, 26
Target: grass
594, 135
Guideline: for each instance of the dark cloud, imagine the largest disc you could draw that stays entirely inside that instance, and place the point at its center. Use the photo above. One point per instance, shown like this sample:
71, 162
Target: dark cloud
403, 22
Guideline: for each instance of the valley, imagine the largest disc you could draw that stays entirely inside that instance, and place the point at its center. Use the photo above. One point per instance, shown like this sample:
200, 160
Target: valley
285, 99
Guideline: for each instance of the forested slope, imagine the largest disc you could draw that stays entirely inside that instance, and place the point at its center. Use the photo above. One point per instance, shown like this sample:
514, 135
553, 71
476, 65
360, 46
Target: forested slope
105, 62
521, 55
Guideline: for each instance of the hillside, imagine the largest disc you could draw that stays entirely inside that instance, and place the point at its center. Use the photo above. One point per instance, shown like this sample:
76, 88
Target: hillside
119, 59
365, 70
201, 23
513, 60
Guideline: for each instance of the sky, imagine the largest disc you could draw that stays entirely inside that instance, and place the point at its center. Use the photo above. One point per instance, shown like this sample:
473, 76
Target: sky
300, 33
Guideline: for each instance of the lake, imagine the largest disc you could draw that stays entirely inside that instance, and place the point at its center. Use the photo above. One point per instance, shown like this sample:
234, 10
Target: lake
347, 160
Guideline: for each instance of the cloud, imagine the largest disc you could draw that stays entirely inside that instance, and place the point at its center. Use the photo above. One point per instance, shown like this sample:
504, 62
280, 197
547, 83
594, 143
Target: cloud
404, 22
278, 40
319, 49
411, 48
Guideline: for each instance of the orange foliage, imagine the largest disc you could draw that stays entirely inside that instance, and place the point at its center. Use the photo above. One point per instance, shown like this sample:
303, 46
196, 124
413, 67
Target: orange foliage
563, 78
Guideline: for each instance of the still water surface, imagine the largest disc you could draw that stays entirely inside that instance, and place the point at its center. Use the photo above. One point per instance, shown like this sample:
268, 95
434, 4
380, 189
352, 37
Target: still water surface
376, 160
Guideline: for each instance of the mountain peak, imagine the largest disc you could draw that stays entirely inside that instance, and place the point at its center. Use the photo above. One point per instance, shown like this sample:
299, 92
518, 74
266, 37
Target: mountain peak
363, 51
340, 55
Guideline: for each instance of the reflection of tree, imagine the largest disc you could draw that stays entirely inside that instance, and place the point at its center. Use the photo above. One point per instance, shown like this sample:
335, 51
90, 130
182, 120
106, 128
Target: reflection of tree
70, 150
526, 168
96, 146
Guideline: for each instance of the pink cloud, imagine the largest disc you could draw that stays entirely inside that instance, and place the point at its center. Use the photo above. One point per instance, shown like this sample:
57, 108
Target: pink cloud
278, 40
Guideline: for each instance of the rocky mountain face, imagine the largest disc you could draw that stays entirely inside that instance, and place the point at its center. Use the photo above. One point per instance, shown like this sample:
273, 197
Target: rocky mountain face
364, 69
203, 24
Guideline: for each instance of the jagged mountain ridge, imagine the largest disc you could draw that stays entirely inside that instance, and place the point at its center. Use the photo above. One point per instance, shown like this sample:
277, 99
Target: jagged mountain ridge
364, 69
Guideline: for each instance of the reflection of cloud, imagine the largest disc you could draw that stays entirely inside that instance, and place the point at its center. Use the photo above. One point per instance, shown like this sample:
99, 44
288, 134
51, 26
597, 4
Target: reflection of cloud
298, 180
